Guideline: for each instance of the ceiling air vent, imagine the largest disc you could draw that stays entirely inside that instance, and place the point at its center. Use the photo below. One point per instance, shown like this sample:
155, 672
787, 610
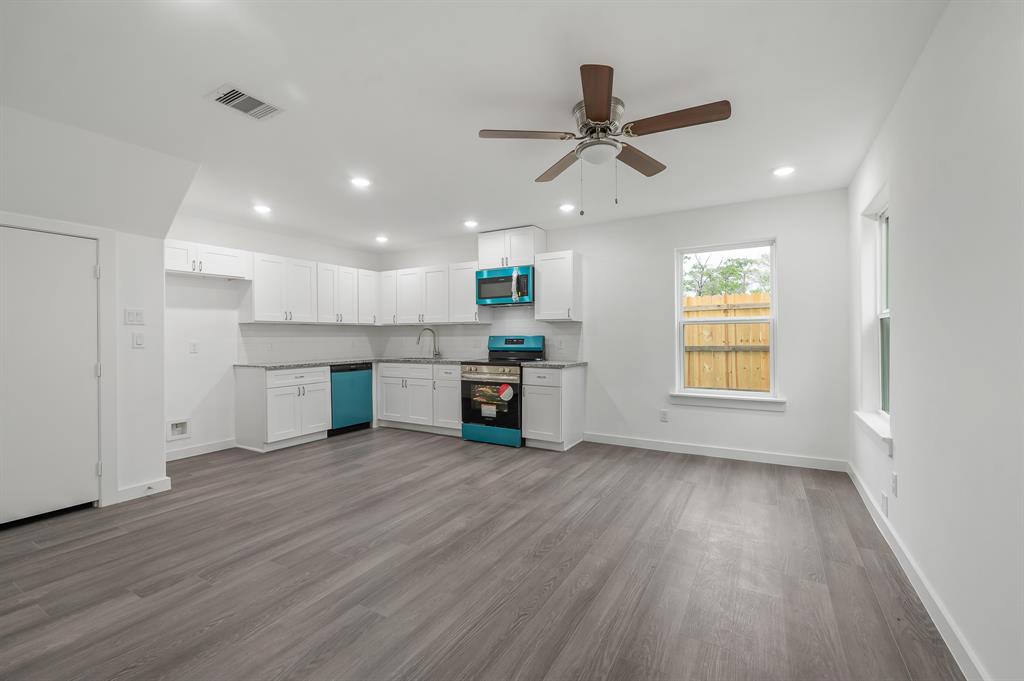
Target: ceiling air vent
230, 96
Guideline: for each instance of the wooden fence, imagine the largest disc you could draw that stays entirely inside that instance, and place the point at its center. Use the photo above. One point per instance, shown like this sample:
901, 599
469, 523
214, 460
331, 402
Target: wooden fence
727, 356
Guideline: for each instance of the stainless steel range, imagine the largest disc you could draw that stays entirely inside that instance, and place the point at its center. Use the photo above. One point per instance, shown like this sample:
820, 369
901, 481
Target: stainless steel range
492, 390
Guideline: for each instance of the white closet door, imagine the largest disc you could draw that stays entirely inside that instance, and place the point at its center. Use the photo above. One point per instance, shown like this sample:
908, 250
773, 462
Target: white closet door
49, 405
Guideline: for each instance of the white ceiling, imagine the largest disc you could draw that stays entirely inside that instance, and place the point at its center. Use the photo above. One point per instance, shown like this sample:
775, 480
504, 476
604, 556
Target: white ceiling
397, 92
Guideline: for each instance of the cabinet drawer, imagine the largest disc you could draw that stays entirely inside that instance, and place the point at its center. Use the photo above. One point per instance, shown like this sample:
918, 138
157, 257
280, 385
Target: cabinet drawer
533, 376
400, 370
286, 377
447, 372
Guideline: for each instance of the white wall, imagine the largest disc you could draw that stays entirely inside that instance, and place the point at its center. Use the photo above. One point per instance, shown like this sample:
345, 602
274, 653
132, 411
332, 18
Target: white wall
269, 238
140, 375
952, 156
200, 386
58, 171
627, 333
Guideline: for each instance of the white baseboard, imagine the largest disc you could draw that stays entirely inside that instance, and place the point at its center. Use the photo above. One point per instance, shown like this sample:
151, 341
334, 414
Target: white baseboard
950, 632
143, 490
720, 452
196, 450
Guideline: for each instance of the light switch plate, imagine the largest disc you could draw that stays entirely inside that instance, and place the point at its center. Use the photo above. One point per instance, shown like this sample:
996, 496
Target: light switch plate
134, 316
193, 347
138, 340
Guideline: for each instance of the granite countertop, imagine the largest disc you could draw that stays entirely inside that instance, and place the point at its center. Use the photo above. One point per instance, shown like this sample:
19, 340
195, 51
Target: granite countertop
271, 366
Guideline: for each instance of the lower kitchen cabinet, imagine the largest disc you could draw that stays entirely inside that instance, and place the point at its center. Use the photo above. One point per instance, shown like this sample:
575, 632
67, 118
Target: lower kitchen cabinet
276, 409
448, 404
554, 407
410, 394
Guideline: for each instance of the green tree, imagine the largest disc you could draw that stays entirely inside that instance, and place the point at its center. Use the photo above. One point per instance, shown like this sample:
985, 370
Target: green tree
732, 275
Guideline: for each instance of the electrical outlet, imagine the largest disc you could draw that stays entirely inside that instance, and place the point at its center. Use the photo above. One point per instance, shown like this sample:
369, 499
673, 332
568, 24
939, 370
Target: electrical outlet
884, 503
663, 415
193, 347
894, 485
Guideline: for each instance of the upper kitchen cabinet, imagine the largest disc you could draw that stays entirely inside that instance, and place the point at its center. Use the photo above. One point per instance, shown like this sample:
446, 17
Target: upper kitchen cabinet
422, 295
368, 281
509, 247
337, 299
462, 307
283, 290
387, 298
209, 261
558, 286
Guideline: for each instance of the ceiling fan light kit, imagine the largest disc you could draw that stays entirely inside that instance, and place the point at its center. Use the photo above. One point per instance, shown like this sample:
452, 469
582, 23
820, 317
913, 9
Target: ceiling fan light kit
598, 119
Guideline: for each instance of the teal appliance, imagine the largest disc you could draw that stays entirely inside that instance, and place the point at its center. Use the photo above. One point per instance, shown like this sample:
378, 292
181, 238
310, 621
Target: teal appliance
492, 401
351, 397
505, 286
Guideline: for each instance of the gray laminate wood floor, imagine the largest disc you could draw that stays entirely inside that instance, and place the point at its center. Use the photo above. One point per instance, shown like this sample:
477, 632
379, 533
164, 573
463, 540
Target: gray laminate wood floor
388, 554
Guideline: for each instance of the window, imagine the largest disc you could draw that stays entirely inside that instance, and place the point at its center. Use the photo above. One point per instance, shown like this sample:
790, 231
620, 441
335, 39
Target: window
726, 320
884, 321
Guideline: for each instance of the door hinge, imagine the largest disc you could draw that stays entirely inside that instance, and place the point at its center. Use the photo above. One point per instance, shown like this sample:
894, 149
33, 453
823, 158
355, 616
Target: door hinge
99, 469
99, 369
97, 271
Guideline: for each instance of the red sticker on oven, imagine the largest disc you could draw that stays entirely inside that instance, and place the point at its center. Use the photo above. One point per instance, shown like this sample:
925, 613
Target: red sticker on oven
505, 392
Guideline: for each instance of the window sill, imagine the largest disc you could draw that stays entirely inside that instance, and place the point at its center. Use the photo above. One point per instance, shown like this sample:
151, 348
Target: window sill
877, 424
729, 401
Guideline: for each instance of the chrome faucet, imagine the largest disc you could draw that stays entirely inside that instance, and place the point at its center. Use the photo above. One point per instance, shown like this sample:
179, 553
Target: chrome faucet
433, 334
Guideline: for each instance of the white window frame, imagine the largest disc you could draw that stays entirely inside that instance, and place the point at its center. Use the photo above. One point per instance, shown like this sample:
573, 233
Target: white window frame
883, 303
704, 396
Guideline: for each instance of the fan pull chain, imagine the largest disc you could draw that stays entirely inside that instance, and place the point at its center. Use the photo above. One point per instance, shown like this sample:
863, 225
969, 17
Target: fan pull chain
581, 187
616, 182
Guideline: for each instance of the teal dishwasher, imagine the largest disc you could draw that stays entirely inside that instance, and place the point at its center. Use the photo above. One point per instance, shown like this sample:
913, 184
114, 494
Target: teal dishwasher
351, 397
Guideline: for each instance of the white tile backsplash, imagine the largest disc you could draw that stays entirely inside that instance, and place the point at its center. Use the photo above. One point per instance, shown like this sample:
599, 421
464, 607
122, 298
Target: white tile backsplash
259, 343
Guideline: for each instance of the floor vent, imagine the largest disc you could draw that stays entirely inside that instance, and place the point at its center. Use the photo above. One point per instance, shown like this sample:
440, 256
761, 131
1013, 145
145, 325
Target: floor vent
232, 97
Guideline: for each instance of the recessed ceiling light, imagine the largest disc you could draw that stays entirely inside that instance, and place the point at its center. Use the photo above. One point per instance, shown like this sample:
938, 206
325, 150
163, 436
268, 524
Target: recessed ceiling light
261, 209
382, 239
471, 223
783, 171
360, 182
567, 208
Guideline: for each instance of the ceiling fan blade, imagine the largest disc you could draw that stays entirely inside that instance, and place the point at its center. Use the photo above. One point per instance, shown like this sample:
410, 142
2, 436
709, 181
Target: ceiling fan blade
597, 91
525, 135
557, 169
696, 115
639, 161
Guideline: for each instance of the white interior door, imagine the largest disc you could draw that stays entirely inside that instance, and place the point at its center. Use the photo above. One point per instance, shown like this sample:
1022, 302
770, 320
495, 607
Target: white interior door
49, 393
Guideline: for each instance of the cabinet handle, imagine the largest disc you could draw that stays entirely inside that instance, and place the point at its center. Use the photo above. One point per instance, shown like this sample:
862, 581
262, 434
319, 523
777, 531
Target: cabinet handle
193, 265
374, 319
541, 376
568, 312
298, 391
476, 316
341, 317
394, 319
200, 265
303, 391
